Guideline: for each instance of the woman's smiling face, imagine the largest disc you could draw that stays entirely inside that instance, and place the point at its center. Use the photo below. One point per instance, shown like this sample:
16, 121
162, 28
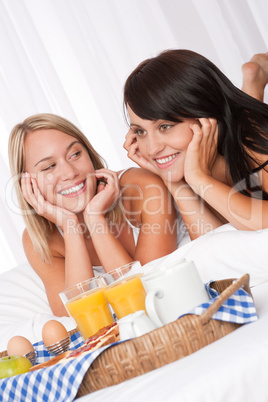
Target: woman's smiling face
163, 143
62, 167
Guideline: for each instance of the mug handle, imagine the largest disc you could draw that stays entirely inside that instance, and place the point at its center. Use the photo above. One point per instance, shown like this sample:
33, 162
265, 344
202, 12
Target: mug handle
150, 305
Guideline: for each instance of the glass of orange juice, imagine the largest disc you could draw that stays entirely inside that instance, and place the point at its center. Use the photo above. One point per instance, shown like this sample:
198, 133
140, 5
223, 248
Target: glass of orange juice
124, 290
87, 305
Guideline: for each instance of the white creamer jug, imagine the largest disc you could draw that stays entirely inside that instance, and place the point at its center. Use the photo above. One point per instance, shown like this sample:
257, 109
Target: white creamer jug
134, 325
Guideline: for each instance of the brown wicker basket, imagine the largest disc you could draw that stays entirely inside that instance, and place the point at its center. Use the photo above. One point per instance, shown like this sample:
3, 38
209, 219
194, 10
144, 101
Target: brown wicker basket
3, 354
163, 345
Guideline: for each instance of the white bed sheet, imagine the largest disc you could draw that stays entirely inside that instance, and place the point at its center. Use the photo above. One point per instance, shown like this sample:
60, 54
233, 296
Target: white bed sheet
24, 307
233, 369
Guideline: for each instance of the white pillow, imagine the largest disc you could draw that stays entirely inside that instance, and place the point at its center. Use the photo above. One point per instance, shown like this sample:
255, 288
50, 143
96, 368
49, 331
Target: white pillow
225, 253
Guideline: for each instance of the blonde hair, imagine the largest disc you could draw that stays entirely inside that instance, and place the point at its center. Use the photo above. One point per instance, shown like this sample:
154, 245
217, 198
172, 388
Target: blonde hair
39, 228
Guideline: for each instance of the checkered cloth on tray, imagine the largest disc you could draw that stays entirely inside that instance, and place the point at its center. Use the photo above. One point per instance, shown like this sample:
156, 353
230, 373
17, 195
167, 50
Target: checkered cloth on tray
56, 383
61, 382
239, 308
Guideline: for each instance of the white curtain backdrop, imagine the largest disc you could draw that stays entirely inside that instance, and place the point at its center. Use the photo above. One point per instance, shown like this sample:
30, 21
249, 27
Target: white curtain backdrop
71, 57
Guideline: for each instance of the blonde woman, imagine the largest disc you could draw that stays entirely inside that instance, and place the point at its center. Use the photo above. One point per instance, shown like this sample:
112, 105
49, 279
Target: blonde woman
78, 214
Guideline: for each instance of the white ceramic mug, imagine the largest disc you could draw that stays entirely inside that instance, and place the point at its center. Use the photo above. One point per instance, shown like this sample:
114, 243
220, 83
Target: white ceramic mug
153, 267
173, 291
136, 324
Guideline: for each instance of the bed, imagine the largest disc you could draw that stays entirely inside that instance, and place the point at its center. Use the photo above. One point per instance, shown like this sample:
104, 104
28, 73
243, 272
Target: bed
233, 368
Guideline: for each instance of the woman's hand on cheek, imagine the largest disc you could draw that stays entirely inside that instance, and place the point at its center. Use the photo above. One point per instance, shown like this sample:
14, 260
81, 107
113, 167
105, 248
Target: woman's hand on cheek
202, 151
32, 194
133, 152
108, 192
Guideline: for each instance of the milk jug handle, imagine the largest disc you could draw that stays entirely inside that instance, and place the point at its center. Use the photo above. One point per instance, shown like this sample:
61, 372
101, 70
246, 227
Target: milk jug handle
150, 305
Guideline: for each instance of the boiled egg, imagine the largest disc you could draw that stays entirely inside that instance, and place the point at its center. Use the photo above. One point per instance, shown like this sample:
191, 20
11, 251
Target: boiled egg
53, 331
18, 345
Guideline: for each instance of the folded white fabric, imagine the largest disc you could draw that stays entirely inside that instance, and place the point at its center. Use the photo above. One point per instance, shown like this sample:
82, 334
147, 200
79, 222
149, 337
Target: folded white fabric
24, 307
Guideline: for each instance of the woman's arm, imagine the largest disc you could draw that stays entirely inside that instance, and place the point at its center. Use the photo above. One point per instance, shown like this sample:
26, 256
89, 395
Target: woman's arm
70, 259
199, 218
110, 250
243, 212
149, 206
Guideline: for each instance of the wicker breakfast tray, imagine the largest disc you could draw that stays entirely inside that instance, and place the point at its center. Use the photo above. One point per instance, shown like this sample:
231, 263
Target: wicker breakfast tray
162, 346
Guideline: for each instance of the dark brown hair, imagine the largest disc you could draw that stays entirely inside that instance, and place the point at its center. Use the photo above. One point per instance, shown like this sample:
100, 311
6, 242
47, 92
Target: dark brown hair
183, 84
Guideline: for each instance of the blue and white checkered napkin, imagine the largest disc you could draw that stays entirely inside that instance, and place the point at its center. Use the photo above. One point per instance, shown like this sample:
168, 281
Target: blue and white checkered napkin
56, 383
239, 308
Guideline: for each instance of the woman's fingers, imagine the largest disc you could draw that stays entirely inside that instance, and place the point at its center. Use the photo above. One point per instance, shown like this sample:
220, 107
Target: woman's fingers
205, 133
108, 192
133, 152
130, 139
209, 129
197, 137
202, 150
27, 190
33, 196
109, 175
132, 147
43, 207
111, 180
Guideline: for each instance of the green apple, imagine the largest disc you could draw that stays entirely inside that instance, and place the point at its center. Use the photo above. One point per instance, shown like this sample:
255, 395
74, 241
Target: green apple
13, 365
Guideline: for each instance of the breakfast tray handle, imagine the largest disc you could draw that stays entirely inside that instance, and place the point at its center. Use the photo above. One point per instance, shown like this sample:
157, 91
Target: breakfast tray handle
229, 291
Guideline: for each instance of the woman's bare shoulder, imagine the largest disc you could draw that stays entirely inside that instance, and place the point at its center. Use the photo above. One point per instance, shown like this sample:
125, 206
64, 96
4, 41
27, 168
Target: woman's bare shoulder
52, 273
27, 242
141, 191
55, 243
139, 176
